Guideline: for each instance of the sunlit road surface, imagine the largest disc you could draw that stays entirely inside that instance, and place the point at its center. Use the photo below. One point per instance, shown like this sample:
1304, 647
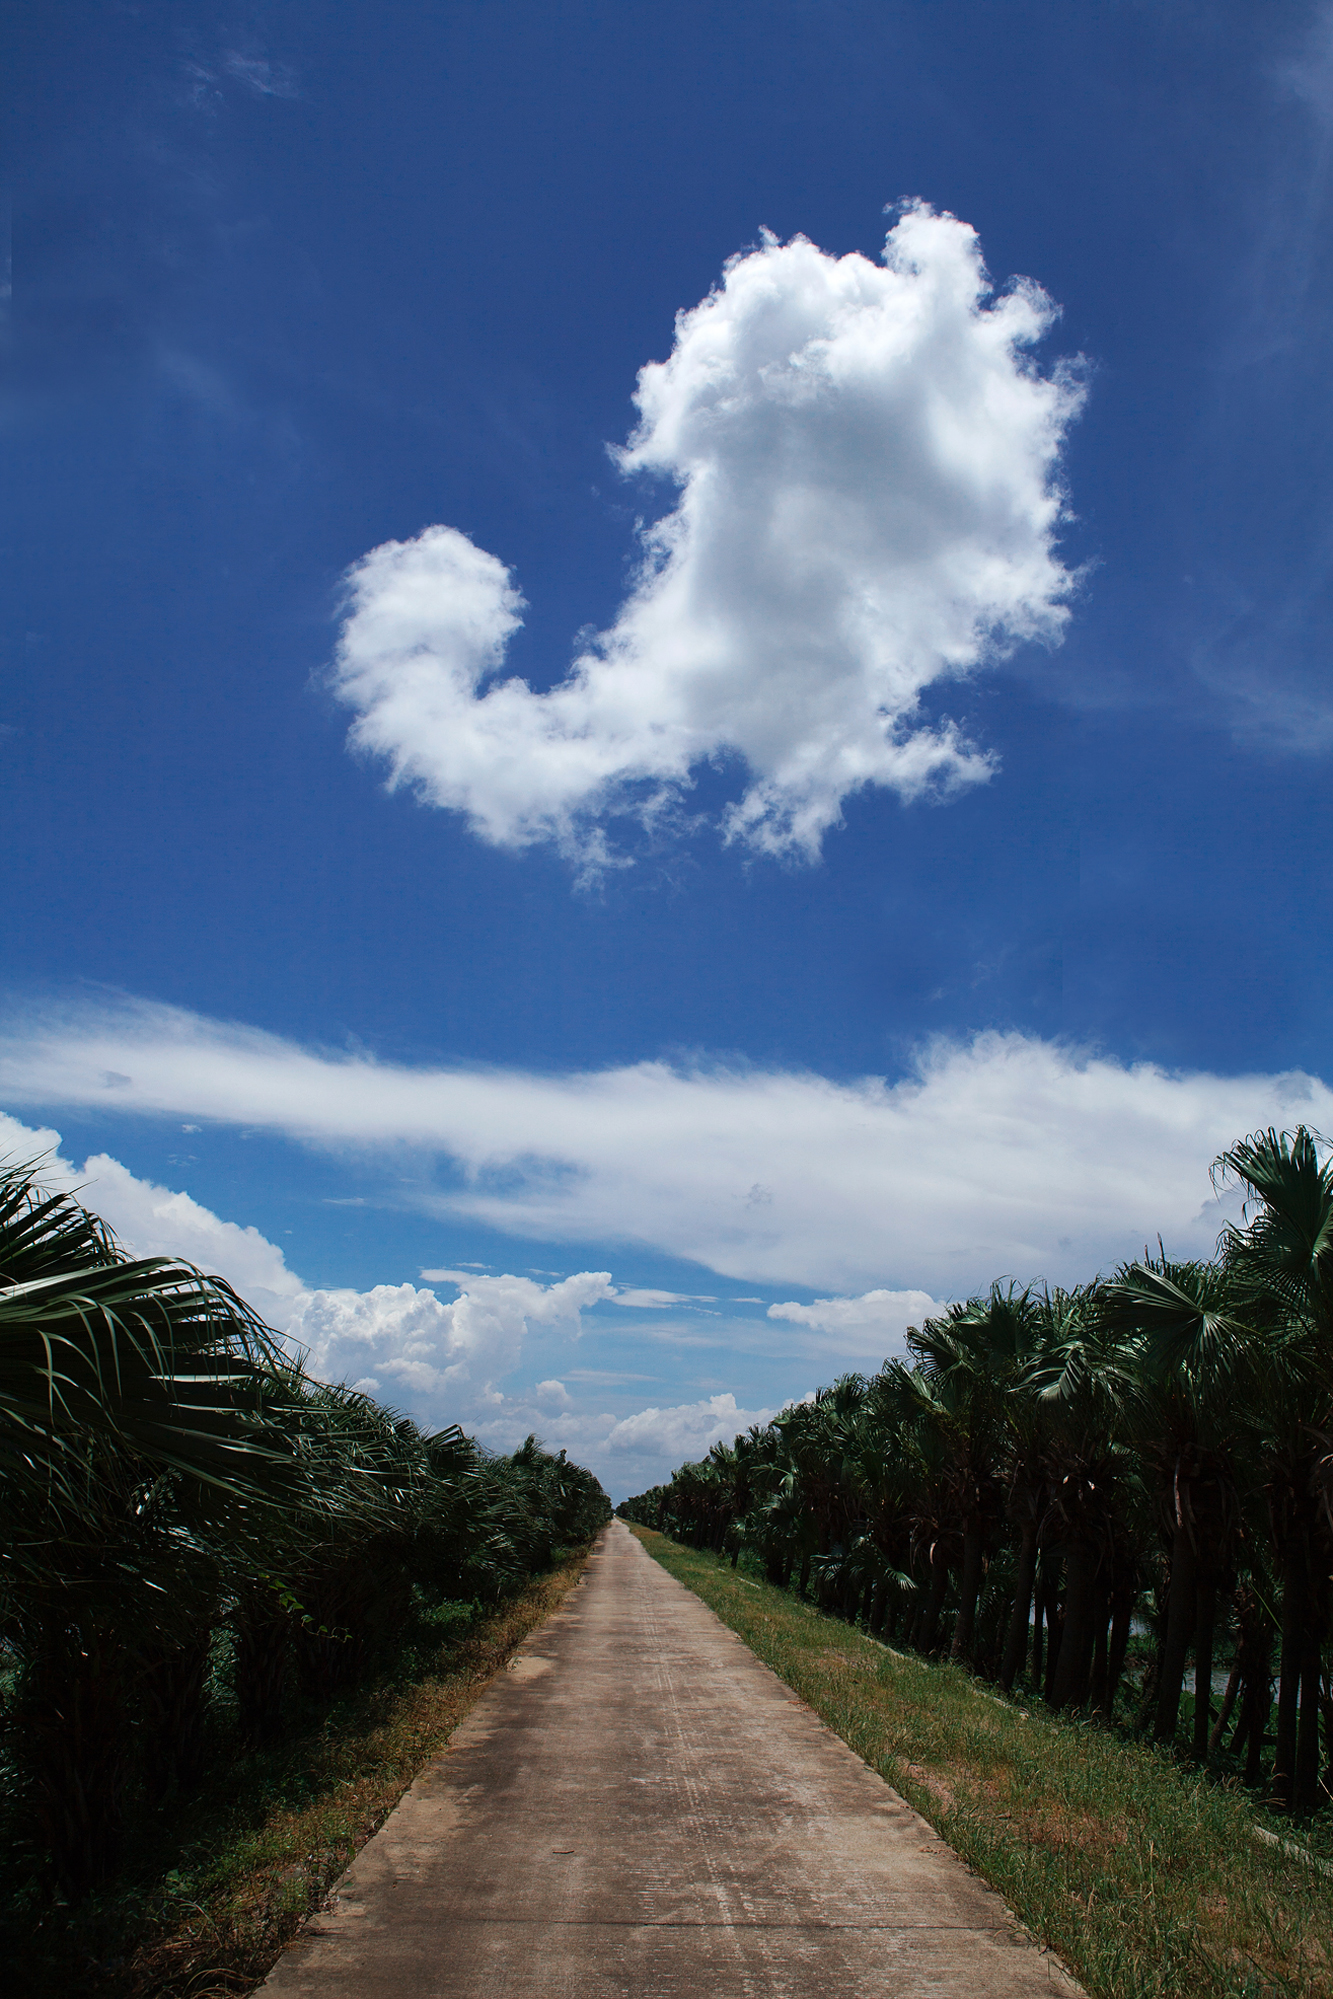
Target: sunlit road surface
637, 1807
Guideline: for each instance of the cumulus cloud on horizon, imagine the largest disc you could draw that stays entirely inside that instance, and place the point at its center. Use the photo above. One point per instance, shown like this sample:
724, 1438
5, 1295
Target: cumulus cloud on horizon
686, 1431
1000, 1155
398, 1341
866, 463
399, 1338
441, 1360
870, 1327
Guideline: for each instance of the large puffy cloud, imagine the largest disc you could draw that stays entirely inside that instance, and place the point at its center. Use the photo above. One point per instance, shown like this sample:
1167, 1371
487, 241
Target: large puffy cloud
1003, 1154
865, 458
870, 1327
449, 1353
686, 1431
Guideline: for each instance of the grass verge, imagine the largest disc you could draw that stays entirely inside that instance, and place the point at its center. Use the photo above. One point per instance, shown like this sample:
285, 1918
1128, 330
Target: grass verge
1143, 1875
206, 1906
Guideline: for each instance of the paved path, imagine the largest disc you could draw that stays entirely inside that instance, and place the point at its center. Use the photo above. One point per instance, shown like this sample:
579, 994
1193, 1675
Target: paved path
637, 1809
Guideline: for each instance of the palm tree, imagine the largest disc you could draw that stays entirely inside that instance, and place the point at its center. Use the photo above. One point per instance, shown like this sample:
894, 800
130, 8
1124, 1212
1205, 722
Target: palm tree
1053, 1322
136, 1410
1187, 1364
166, 1465
1088, 1503
1282, 1257
1177, 1417
975, 1357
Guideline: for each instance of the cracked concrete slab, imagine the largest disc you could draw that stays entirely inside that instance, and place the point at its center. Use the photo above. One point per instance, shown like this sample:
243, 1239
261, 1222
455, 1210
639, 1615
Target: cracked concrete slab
637, 1806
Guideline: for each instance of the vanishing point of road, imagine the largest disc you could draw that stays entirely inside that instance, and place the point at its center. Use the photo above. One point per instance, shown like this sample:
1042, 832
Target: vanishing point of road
637, 1809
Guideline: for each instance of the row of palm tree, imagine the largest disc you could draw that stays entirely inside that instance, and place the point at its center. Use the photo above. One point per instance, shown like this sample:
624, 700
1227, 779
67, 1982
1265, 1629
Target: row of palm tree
178, 1495
1053, 1473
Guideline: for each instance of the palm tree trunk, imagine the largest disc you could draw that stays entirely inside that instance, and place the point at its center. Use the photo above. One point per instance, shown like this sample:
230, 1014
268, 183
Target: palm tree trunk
1181, 1605
1101, 1650
263, 1652
1020, 1614
1256, 1705
1218, 1729
939, 1584
1294, 1593
1055, 1638
1071, 1672
1241, 1733
1041, 1622
71, 1728
171, 1700
1305, 1789
1123, 1597
1205, 1620
974, 1552
1254, 1651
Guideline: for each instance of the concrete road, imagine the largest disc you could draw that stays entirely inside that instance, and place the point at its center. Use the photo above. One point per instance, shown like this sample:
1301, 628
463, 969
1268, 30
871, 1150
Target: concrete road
637, 1807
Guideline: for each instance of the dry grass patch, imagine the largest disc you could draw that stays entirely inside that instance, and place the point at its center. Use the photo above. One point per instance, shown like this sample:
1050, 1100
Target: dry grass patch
1142, 1874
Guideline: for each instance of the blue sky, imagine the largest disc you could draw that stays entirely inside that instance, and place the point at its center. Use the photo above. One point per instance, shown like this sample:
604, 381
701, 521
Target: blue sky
718, 872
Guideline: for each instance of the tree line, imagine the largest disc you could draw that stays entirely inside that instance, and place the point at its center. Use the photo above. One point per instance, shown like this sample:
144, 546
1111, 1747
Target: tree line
188, 1518
1055, 1479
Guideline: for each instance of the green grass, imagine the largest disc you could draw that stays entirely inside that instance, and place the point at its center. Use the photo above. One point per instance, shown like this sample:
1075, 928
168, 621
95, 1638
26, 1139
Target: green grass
1143, 1875
212, 1893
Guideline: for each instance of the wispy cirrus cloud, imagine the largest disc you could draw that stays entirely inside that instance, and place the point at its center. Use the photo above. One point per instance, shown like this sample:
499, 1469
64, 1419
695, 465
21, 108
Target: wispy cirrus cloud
1003, 1154
1260, 604
866, 461
261, 76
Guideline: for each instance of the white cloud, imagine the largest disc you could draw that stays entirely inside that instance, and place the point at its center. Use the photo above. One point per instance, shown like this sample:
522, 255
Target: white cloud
1307, 72
263, 78
25, 1144
441, 1360
444, 1356
871, 1327
1003, 1155
395, 1339
404, 1339
493, 1300
647, 1300
154, 1221
865, 457
686, 1431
